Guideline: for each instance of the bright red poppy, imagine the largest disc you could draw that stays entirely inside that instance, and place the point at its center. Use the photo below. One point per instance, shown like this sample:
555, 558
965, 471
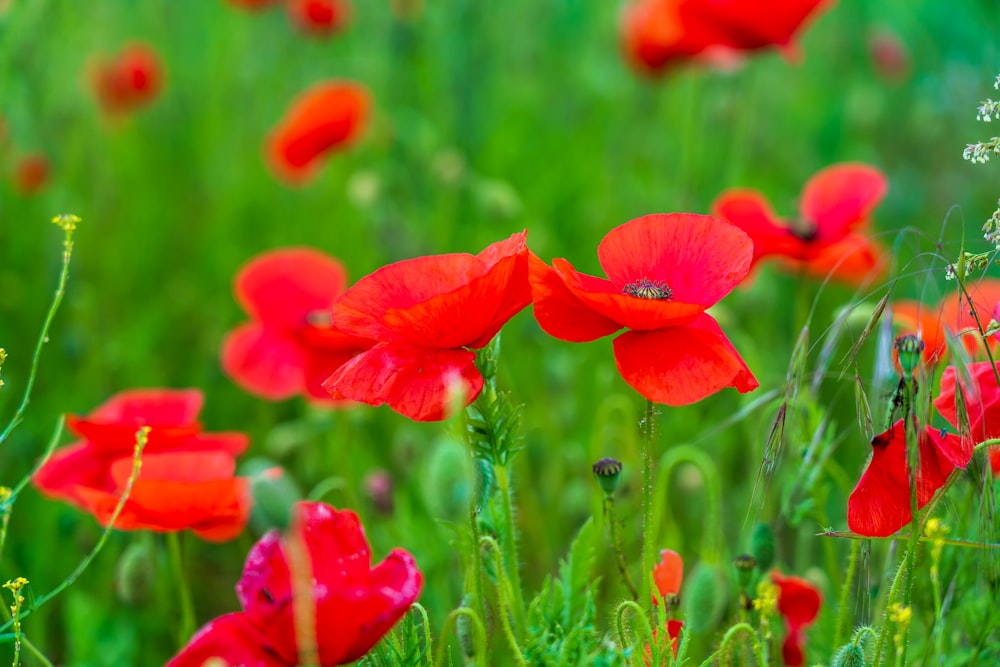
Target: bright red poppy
289, 346
429, 314
330, 115
129, 80
664, 271
319, 17
187, 479
798, 603
829, 237
353, 603
953, 314
31, 173
880, 503
668, 574
660, 33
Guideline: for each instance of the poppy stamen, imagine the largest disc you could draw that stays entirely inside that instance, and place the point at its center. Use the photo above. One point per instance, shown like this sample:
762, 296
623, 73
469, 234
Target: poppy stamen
645, 288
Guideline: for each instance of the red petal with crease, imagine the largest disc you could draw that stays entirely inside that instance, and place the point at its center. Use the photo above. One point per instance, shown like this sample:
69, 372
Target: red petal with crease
841, 197
282, 287
682, 365
701, 258
751, 212
264, 360
559, 312
414, 381
233, 638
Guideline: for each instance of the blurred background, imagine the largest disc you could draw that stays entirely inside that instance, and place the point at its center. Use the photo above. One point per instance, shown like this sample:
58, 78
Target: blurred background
489, 118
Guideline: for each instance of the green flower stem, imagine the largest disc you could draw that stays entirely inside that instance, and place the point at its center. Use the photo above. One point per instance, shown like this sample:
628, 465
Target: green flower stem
503, 592
843, 611
884, 630
628, 605
187, 627
616, 543
758, 650
647, 490
510, 547
425, 626
449, 624
712, 549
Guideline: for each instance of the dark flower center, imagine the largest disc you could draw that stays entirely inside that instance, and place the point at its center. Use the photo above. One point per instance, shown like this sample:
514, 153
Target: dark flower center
804, 229
322, 319
648, 289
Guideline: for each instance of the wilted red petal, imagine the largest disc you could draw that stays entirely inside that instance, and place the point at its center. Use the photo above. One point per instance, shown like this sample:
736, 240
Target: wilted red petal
667, 574
319, 17
854, 260
841, 197
284, 286
682, 365
700, 258
264, 360
751, 212
417, 382
798, 599
328, 115
233, 638
559, 312
31, 173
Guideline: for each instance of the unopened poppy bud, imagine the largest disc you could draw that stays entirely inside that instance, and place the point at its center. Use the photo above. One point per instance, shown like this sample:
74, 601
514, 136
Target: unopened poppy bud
908, 349
849, 656
463, 628
273, 494
745, 564
378, 487
705, 599
607, 471
136, 572
762, 546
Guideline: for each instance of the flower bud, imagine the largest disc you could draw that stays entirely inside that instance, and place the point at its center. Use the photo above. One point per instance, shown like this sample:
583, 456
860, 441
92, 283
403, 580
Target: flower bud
908, 349
745, 565
849, 656
607, 471
762, 546
704, 598
135, 573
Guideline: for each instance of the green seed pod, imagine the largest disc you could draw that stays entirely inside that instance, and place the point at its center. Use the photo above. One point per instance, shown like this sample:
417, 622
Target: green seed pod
908, 349
607, 471
135, 574
463, 628
704, 598
849, 656
745, 565
762, 546
273, 492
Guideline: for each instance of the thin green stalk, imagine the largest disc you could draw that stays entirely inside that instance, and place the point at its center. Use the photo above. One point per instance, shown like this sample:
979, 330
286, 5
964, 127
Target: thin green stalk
884, 630
629, 605
425, 626
612, 517
758, 650
477, 558
187, 627
502, 591
647, 489
510, 547
712, 535
449, 623
843, 616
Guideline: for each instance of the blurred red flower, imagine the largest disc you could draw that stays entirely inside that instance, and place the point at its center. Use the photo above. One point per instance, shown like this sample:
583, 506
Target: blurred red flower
890, 56
660, 33
128, 80
290, 345
982, 405
880, 503
664, 271
828, 239
429, 314
352, 603
31, 173
798, 603
319, 17
253, 4
667, 575
326, 116
952, 315
187, 479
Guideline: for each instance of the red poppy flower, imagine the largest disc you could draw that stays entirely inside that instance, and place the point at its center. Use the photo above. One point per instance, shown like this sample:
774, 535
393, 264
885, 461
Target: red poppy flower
289, 347
658, 33
798, 603
953, 315
673, 633
327, 116
982, 401
187, 477
828, 238
128, 80
354, 604
668, 574
319, 17
664, 271
429, 314
31, 173
889, 55
880, 503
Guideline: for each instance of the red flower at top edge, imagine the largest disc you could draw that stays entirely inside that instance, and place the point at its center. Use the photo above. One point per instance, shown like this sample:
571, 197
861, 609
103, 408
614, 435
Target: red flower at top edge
128, 80
953, 314
327, 116
319, 18
659, 33
664, 271
187, 478
798, 603
829, 238
428, 314
290, 345
880, 503
354, 603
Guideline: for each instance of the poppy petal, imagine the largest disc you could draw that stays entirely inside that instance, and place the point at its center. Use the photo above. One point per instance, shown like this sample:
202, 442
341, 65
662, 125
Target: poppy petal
855, 260
414, 381
841, 197
982, 403
700, 258
682, 365
283, 287
559, 312
151, 407
264, 361
233, 638
668, 574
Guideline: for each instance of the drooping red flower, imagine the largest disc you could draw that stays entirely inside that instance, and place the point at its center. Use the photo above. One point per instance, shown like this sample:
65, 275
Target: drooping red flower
664, 271
187, 479
880, 503
327, 116
668, 574
429, 314
954, 315
128, 80
353, 603
798, 603
319, 18
31, 173
289, 346
829, 236
659, 33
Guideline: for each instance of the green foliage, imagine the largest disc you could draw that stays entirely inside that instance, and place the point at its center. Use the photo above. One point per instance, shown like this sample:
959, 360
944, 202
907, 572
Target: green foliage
406, 646
494, 425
